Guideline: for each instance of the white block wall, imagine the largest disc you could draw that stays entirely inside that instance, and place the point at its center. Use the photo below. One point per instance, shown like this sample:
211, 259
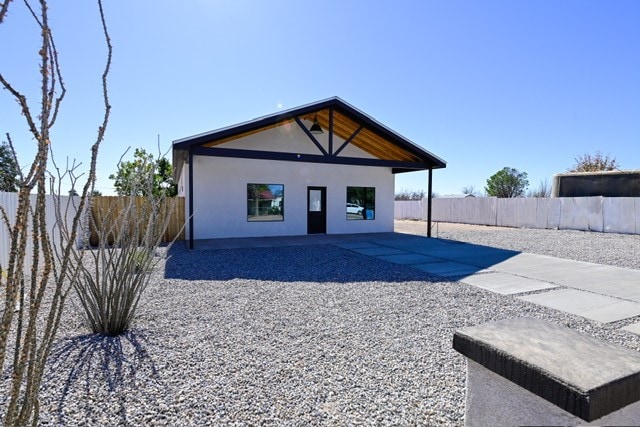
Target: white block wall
606, 214
9, 203
220, 196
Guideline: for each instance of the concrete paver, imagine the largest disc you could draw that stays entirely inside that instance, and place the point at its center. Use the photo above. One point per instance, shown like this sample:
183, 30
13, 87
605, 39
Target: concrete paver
596, 307
634, 327
506, 284
408, 258
356, 245
379, 250
448, 269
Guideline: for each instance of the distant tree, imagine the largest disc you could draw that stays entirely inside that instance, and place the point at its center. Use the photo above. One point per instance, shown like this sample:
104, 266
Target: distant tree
470, 190
96, 193
164, 178
73, 192
594, 163
411, 195
543, 190
144, 176
508, 182
8, 169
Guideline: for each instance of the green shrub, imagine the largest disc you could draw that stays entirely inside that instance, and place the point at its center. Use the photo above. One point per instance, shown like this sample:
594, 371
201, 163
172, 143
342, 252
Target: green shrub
110, 293
114, 275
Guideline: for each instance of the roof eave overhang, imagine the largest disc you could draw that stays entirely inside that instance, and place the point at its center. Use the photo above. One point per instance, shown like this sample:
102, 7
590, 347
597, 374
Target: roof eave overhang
427, 159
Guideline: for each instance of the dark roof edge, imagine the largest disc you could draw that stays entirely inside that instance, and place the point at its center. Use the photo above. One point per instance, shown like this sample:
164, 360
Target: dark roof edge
336, 102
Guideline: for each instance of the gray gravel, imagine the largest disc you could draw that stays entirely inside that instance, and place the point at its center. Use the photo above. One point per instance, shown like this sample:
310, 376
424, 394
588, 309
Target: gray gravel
311, 335
621, 250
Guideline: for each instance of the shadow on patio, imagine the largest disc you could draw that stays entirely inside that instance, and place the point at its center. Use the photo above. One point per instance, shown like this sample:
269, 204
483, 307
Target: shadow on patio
384, 257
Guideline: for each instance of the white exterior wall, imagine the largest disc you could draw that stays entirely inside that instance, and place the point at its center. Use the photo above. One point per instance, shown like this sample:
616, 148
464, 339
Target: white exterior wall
220, 188
220, 196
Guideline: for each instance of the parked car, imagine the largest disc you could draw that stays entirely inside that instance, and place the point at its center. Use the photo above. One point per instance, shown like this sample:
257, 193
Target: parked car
352, 208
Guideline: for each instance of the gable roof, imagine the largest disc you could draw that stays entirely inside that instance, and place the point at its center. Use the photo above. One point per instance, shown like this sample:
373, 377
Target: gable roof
334, 115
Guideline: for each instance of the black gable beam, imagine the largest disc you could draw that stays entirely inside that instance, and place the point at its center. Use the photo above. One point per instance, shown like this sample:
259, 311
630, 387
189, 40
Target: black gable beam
331, 131
348, 141
307, 158
310, 135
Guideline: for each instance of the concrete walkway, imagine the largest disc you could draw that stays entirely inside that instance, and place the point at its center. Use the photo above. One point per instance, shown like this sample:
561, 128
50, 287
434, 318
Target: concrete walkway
597, 292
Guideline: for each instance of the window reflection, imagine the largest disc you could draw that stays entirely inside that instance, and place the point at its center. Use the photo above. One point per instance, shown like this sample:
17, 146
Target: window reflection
361, 203
265, 202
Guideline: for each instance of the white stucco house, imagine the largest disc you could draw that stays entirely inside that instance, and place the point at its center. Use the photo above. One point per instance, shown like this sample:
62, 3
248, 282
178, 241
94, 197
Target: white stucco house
325, 167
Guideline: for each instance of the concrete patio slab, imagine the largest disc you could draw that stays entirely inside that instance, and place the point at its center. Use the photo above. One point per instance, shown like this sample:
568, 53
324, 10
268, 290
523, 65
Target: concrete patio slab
481, 259
524, 262
634, 327
278, 241
596, 307
448, 269
604, 279
408, 258
506, 284
356, 245
424, 247
379, 250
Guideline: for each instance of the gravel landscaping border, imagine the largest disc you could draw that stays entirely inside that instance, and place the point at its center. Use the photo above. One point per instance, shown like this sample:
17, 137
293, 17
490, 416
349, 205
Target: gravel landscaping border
296, 336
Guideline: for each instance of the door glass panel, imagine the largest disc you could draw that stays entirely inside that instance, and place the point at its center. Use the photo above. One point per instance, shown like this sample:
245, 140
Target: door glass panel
315, 200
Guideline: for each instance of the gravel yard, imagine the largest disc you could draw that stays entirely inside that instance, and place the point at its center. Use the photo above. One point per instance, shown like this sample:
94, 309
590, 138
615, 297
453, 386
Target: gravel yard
306, 335
621, 250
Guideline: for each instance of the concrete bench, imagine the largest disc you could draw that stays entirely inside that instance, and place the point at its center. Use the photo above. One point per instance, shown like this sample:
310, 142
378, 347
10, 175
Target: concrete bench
528, 371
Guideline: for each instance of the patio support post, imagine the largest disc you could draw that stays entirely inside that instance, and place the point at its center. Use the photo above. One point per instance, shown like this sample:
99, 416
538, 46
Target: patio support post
190, 198
429, 197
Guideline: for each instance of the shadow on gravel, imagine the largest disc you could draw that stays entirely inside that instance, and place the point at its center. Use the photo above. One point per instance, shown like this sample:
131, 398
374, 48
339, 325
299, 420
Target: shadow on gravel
313, 263
99, 367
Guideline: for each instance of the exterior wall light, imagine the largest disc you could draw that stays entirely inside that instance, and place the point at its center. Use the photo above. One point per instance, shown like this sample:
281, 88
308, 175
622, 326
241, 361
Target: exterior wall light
315, 127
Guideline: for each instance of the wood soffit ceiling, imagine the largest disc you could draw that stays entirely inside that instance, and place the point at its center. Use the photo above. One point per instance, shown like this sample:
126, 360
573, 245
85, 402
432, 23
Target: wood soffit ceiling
343, 127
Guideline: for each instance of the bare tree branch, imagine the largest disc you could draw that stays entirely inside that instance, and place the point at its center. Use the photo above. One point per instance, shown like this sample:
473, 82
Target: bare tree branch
4, 6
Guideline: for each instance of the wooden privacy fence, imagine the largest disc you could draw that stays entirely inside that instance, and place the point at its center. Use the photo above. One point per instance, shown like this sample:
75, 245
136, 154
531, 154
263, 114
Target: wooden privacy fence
115, 205
605, 214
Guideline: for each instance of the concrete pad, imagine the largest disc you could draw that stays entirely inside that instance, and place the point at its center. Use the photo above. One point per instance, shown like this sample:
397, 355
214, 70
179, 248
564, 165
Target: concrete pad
426, 245
596, 307
615, 281
448, 269
525, 261
634, 327
483, 259
409, 258
506, 284
604, 279
356, 245
378, 250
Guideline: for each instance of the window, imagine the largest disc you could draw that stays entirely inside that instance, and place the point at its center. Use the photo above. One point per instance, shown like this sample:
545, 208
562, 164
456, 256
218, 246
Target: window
265, 202
361, 203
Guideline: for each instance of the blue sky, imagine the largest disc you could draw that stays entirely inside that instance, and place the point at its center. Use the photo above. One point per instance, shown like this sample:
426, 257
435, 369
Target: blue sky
482, 84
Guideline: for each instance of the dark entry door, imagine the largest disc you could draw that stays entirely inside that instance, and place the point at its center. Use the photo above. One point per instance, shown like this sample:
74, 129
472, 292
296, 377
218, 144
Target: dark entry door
316, 210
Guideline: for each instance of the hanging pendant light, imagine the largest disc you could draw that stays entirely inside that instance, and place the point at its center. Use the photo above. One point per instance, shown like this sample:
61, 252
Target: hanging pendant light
315, 127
